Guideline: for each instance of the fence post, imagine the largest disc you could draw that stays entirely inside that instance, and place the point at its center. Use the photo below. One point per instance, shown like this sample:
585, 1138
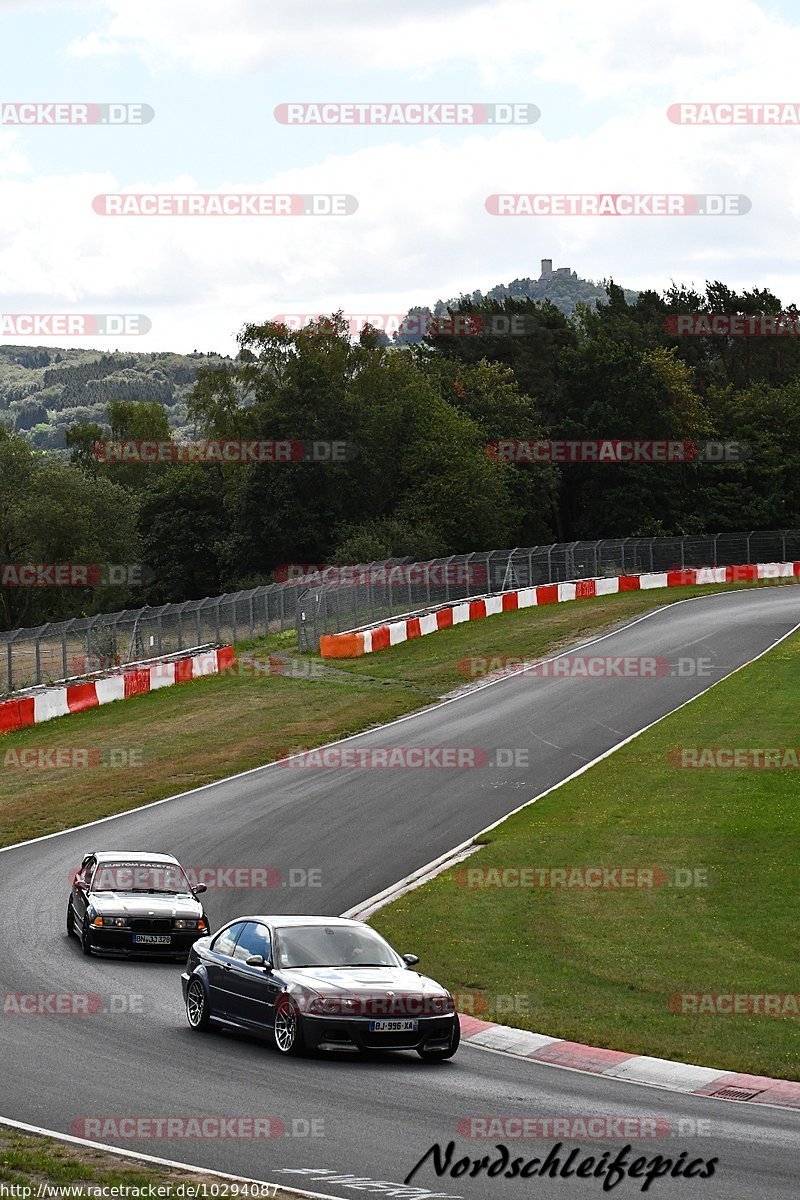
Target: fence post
783, 547
750, 534
252, 615
9, 666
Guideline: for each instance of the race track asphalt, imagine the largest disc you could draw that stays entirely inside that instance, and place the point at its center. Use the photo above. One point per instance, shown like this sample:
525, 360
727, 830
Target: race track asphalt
363, 829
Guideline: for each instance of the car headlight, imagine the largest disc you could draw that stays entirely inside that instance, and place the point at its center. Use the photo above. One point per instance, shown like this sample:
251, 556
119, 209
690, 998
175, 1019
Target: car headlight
443, 1005
183, 923
332, 1005
115, 922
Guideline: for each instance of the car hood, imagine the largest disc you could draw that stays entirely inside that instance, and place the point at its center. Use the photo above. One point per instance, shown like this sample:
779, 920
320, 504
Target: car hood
120, 904
362, 981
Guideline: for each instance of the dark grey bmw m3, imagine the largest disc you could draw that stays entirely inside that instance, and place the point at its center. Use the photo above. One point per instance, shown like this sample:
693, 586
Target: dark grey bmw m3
125, 903
325, 983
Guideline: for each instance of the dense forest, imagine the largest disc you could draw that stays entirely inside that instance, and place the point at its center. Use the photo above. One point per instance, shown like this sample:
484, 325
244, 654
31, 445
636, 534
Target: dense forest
421, 417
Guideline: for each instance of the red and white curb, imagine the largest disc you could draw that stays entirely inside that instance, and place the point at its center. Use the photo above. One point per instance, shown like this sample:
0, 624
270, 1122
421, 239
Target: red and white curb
633, 1068
380, 637
54, 702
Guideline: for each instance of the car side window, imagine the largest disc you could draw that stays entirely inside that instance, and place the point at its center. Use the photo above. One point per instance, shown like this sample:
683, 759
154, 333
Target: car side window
87, 870
254, 940
225, 941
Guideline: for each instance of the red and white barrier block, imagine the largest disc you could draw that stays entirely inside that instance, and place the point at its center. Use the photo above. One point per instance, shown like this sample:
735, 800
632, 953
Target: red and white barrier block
76, 697
381, 637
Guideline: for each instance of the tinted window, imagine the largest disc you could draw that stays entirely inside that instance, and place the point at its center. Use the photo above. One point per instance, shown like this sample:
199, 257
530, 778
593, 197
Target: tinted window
254, 940
225, 941
333, 946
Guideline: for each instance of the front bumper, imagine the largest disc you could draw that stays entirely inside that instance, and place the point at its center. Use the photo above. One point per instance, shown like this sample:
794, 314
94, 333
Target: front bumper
119, 943
347, 1033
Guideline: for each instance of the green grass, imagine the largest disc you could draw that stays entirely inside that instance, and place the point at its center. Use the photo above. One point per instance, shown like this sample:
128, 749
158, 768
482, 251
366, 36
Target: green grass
186, 736
28, 1160
599, 966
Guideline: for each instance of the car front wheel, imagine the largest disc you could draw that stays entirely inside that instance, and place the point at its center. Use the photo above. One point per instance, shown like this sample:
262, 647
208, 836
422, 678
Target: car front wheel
70, 920
288, 1029
86, 945
441, 1055
197, 1012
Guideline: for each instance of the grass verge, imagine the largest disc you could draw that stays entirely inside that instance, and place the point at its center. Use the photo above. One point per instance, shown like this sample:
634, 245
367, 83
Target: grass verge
604, 965
30, 1162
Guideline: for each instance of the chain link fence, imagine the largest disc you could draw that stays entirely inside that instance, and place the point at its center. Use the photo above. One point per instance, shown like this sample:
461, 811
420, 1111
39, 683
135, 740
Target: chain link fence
364, 596
88, 645
349, 597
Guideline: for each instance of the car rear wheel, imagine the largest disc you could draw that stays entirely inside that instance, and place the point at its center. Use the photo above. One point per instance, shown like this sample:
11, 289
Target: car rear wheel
287, 1032
197, 1011
441, 1055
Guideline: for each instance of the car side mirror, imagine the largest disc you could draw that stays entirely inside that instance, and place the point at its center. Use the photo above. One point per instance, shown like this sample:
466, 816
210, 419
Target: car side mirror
81, 885
410, 960
257, 960
199, 888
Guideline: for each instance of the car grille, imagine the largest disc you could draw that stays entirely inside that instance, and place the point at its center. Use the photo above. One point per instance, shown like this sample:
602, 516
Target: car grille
150, 925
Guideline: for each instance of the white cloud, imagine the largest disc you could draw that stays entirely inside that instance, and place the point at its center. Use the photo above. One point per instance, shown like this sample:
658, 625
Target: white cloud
604, 50
421, 231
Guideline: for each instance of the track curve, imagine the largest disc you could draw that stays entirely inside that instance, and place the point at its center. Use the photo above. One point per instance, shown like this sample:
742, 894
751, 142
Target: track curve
364, 829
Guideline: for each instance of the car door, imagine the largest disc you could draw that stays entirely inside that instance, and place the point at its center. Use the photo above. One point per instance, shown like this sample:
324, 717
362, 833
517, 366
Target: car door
80, 889
218, 961
253, 989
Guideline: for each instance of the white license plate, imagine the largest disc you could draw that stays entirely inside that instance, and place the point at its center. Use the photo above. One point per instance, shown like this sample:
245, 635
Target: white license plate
393, 1026
151, 939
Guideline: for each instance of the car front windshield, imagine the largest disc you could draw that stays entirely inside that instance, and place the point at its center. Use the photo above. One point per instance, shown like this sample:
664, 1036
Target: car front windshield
333, 946
167, 878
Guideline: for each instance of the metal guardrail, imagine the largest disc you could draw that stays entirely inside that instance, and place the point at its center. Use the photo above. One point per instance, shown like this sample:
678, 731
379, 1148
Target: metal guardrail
373, 594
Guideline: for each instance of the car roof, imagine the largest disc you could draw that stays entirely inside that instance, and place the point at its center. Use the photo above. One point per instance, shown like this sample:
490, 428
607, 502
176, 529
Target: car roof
133, 856
296, 921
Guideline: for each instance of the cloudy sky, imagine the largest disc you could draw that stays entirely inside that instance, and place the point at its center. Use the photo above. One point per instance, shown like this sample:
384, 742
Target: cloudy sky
602, 76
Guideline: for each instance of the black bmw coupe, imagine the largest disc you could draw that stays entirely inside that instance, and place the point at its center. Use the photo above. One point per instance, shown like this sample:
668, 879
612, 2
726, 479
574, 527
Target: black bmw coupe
126, 904
318, 983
